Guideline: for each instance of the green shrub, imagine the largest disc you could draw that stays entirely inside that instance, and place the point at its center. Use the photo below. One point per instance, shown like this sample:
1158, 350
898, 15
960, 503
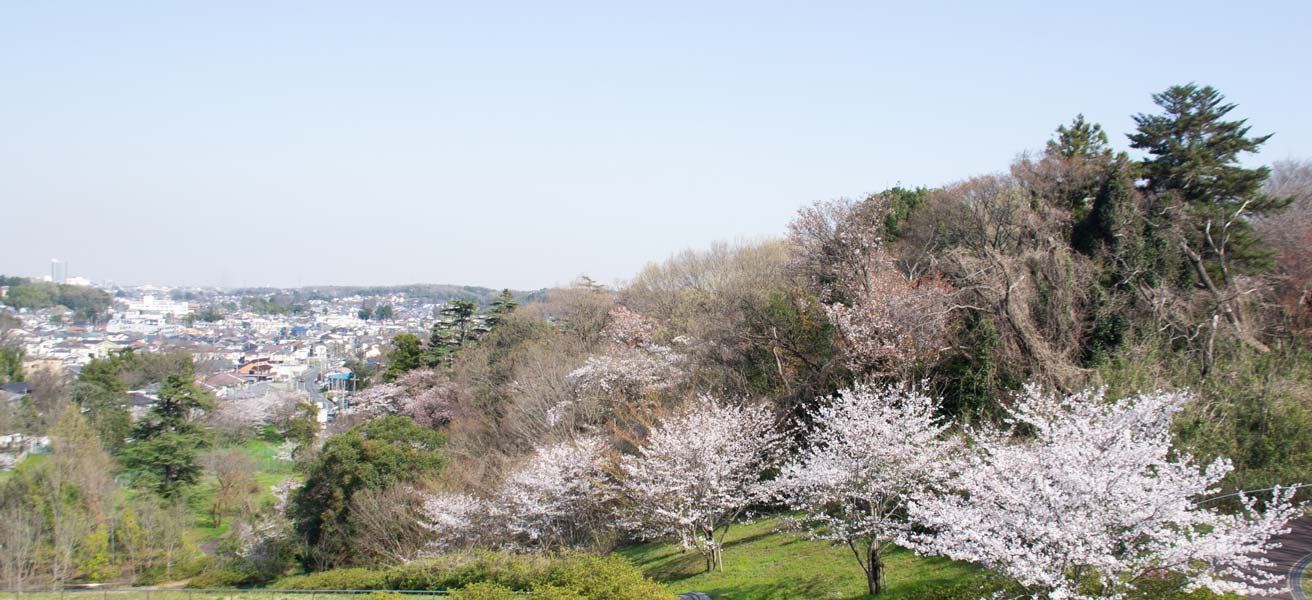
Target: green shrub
569, 576
455, 571
551, 592
602, 578
484, 591
219, 579
336, 579
181, 570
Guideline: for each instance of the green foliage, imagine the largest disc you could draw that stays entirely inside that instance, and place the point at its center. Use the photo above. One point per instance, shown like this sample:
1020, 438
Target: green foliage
601, 577
456, 326
277, 304
972, 378
208, 314
453, 571
901, 203
101, 393
89, 304
336, 579
376, 454
221, 578
1081, 139
1254, 408
96, 564
484, 591
11, 364
303, 428
384, 312
569, 576
163, 454
1194, 154
502, 306
407, 354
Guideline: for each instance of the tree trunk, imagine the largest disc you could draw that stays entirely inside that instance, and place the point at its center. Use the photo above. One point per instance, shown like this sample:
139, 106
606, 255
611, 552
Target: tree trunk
875, 572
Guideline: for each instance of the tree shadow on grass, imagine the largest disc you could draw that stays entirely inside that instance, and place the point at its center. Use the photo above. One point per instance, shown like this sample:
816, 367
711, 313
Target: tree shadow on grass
816, 586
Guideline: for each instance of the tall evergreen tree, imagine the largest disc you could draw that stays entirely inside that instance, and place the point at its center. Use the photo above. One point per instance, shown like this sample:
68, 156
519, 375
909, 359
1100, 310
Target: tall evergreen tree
407, 354
1193, 154
1081, 139
502, 306
166, 443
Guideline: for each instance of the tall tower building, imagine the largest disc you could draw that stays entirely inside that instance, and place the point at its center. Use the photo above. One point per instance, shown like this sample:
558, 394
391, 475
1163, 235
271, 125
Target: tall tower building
58, 271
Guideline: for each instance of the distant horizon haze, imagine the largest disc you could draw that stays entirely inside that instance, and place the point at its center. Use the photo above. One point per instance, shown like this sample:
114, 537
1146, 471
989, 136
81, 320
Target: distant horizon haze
521, 145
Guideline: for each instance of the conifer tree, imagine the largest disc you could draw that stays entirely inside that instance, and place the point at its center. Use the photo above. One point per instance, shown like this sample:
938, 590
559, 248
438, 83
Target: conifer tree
165, 445
1193, 154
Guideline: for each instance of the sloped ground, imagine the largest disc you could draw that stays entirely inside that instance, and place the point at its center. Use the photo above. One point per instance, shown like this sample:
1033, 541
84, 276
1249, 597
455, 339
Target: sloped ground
763, 563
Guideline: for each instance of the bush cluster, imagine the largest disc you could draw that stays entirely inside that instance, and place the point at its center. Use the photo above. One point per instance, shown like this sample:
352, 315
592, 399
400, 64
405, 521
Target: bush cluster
493, 575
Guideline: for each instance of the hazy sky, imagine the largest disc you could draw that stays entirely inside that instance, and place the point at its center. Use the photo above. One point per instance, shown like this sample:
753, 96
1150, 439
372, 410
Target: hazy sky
507, 144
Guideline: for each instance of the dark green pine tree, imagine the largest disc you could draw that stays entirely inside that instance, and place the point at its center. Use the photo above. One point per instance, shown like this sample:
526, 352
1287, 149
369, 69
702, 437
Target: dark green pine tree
162, 454
407, 354
502, 306
460, 317
1081, 139
1193, 154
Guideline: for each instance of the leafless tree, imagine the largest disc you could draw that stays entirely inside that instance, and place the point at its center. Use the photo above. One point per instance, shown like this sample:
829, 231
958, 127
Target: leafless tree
385, 525
234, 475
20, 533
1290, 235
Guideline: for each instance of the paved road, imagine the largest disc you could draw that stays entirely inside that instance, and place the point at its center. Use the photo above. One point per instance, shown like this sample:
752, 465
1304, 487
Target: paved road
1296, 550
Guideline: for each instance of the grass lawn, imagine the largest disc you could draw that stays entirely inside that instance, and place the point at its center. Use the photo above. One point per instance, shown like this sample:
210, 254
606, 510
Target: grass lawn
763, 562
28, 462
270, 471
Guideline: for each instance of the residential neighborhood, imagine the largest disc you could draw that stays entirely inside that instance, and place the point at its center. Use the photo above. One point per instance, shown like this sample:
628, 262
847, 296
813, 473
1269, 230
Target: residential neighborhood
249, 351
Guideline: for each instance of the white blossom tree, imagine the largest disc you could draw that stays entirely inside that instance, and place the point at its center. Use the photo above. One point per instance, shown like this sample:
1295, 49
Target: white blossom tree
873, 447
633, 361
697, 471
554, 499
1084, 498
458, 520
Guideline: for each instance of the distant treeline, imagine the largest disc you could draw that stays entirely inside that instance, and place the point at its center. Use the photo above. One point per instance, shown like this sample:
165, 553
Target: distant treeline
90, 304
423, 291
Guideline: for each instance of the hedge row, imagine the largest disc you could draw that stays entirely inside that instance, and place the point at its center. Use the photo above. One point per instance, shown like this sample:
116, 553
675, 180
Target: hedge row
492, 575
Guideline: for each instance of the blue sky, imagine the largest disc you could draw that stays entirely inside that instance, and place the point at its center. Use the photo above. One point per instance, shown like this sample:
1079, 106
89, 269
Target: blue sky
523, 144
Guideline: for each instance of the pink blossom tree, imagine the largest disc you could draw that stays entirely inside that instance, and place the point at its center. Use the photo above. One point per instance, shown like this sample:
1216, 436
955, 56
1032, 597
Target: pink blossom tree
555, 499
425, 395
697, 471
887, 320
872, 448
1084, 498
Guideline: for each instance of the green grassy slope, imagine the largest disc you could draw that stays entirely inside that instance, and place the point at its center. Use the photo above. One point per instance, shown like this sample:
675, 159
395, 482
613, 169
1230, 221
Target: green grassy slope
761, 561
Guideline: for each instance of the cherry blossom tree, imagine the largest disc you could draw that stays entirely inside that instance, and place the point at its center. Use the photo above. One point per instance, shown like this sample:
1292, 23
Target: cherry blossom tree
458, 520
628, 371
425, 395
698, 470
888, 320
554, 499
1079, 497
376, 401
873, 447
